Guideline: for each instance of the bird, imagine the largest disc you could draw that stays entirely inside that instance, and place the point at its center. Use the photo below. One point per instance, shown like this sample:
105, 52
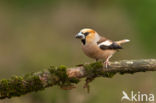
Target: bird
98, 47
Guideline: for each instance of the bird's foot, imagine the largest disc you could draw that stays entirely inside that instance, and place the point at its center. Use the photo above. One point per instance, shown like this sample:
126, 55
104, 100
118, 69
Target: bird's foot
107, 63
96, 60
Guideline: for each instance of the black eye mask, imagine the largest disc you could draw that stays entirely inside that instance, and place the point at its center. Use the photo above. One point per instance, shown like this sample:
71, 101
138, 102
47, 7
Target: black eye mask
84, 40
86, 33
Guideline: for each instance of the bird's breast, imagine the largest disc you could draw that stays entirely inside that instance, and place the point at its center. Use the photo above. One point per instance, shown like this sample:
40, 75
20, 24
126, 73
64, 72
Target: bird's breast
93, 51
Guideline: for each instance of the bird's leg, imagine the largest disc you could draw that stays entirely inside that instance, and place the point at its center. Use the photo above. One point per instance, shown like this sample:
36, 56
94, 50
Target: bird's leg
107, 61
96, 60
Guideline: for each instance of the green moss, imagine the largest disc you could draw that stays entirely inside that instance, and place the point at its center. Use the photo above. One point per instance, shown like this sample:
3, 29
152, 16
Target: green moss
36, 83
93, 68
4, 86
20, 85
17, 86
108, 74
74, 80
11, 87
61, 73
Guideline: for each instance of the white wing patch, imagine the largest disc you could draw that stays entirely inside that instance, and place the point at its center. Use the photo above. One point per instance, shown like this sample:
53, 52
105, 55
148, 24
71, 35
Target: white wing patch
106, 43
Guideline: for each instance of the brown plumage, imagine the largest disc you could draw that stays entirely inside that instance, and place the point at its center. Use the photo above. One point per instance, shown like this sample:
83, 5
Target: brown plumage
97, 47
102, 39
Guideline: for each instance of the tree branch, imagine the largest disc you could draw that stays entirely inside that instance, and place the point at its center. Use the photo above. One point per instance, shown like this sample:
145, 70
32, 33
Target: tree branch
67, 78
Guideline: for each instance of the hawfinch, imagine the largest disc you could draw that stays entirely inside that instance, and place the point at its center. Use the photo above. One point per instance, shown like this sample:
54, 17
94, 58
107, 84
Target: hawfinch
98, 47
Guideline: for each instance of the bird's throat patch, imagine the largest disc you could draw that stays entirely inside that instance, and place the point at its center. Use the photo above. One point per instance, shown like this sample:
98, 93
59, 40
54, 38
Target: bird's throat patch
83, 41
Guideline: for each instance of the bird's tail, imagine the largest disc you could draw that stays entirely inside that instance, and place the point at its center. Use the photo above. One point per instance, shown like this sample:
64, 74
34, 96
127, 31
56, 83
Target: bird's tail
122, 41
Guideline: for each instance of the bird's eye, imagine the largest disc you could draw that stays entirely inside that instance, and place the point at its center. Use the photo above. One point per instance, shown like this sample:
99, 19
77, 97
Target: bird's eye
86, 33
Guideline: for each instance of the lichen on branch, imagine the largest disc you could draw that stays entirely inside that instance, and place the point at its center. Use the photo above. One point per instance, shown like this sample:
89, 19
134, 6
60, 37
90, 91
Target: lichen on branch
20, 85
67, 78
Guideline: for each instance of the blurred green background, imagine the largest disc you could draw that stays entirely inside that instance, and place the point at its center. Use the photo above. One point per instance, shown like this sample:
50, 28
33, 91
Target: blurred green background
35, 34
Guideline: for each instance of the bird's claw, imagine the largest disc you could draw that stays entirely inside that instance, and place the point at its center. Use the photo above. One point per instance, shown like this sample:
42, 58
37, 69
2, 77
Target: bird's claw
107, 63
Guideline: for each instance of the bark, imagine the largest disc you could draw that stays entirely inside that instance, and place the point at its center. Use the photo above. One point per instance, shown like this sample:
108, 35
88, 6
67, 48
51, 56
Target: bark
67, 78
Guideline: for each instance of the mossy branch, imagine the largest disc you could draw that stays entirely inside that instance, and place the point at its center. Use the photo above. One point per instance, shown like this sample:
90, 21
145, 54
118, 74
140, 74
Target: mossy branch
67, 78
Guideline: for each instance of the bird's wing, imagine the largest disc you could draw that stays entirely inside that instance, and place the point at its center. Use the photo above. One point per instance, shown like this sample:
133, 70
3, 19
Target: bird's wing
106, 44
102, 39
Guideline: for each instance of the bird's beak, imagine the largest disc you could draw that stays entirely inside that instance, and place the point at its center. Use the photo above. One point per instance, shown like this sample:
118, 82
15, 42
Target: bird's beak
79, 36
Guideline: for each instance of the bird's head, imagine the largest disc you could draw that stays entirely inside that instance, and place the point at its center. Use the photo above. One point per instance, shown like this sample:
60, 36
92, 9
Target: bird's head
86, 34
